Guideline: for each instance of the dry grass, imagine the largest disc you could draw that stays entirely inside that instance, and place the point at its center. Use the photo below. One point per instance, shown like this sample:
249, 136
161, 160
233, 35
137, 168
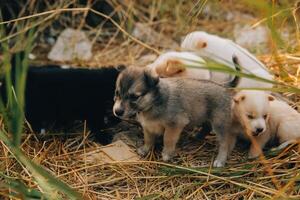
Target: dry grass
191, 175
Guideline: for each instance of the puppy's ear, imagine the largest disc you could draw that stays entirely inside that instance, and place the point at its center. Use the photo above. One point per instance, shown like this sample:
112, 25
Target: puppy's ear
120, 67
201, 44
271, 98
161, 71
238, 99
150, 79
174, 67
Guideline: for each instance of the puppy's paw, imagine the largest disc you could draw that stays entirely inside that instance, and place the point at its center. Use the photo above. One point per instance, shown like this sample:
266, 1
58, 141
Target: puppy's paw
252, 155
143, 151
219, 163
167, 156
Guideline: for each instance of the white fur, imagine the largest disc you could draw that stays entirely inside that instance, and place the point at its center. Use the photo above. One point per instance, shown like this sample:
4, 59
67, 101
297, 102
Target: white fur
254, 103
282, 122
221, 50
172, 60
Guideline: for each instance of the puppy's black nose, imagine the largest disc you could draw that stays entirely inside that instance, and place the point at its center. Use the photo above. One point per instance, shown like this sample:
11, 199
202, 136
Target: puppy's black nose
259, 130
119, 112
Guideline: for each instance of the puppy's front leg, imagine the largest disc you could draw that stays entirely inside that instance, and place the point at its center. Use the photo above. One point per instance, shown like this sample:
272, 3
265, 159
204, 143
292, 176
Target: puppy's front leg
171, 137
261, 140
226, 145
148, 143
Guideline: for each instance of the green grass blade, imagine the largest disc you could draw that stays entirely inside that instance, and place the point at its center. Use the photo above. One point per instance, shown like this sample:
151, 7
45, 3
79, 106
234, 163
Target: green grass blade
218, 67
49, 184
19, 189
13, 112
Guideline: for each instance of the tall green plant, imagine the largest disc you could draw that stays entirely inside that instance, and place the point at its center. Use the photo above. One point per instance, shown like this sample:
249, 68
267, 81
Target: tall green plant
12, 109
15, 84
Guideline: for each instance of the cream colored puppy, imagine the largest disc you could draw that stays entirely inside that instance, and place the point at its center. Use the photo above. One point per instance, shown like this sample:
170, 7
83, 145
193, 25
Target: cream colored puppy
174, 64
251, 114
221, 50
252, 108
265, 118
284, 123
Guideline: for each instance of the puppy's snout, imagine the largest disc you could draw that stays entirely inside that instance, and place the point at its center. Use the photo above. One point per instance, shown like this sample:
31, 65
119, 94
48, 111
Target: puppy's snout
119, 112
258, 131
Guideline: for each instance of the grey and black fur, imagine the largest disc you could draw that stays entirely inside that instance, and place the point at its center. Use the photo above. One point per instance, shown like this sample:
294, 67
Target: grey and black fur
167, 106
206, 127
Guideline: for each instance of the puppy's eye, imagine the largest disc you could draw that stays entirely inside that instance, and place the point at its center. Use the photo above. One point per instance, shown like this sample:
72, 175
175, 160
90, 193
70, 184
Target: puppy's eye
265, 116
117, 93
250, 117
134, 97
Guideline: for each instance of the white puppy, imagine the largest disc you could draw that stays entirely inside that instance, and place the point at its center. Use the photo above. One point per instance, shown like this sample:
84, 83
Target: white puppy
176, 64
265, 118
251, 108
221, 50
250, 115
284, 123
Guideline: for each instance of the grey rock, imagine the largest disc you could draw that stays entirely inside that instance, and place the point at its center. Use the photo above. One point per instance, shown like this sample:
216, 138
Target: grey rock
251, 38
148, 35
70, 45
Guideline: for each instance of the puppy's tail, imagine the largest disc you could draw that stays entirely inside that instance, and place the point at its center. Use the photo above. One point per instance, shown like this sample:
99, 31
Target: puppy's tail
237, 78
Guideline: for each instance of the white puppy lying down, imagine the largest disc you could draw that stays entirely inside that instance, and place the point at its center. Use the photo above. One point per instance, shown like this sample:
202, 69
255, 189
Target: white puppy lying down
173, 63
221, 50
284, 123
265, 117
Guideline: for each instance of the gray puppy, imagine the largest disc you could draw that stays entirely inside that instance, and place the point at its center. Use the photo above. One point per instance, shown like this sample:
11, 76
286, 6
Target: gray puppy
167, 106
